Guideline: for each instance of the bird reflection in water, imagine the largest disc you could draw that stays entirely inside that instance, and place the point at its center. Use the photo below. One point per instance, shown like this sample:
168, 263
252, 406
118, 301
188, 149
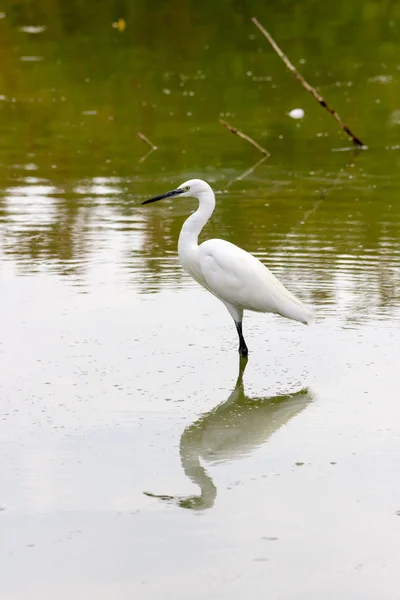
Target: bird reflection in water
230, 431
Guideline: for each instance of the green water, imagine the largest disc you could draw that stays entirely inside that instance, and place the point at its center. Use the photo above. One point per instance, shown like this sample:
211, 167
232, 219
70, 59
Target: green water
136, 459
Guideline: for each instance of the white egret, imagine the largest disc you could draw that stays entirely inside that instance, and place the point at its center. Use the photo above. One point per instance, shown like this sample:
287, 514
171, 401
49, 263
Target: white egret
233, 275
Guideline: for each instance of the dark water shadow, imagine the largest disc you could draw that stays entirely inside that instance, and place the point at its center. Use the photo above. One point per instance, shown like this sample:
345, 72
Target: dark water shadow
230, 431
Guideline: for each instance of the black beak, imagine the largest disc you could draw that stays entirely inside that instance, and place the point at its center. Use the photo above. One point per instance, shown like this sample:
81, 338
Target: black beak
162, 196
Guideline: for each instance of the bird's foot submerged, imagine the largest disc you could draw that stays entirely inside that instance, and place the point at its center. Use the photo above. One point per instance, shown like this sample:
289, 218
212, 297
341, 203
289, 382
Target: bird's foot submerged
243, 350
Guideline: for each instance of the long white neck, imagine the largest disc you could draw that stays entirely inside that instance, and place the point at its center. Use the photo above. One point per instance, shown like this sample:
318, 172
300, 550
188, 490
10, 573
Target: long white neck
188, 239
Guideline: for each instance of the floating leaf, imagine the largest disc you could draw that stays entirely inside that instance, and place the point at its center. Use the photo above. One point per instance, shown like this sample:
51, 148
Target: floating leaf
120, 25
33, 28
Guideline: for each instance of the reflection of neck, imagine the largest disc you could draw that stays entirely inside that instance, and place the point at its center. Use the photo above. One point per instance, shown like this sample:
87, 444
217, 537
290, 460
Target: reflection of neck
197, 474
190, 447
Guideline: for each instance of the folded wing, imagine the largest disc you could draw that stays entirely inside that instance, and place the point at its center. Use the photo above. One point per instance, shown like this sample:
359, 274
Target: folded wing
237, 277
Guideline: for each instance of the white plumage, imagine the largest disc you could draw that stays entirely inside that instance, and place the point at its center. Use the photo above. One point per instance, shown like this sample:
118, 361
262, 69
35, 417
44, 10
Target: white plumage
234, 276
239, 278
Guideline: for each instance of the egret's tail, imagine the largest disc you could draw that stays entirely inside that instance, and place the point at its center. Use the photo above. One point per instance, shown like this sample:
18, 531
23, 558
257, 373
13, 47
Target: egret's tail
311, 317
297, 311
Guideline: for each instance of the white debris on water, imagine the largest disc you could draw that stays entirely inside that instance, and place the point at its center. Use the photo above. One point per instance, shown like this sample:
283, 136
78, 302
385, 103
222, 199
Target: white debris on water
296, 113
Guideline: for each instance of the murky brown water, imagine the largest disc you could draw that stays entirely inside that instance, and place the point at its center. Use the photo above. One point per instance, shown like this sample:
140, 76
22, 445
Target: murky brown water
135, 458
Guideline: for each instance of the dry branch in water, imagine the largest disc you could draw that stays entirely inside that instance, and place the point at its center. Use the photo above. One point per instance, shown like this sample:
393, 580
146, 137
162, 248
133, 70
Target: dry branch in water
304, 83
146, 156
146, 139
245, 137
323, 194
247, 172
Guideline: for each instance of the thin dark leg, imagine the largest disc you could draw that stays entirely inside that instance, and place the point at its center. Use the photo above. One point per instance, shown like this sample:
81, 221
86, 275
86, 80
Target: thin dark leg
243, 351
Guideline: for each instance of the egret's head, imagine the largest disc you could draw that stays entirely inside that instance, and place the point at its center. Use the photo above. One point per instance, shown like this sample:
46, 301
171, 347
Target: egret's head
192, 188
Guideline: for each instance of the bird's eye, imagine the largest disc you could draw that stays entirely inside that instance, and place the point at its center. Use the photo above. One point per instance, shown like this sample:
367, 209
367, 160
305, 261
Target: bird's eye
187, 188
